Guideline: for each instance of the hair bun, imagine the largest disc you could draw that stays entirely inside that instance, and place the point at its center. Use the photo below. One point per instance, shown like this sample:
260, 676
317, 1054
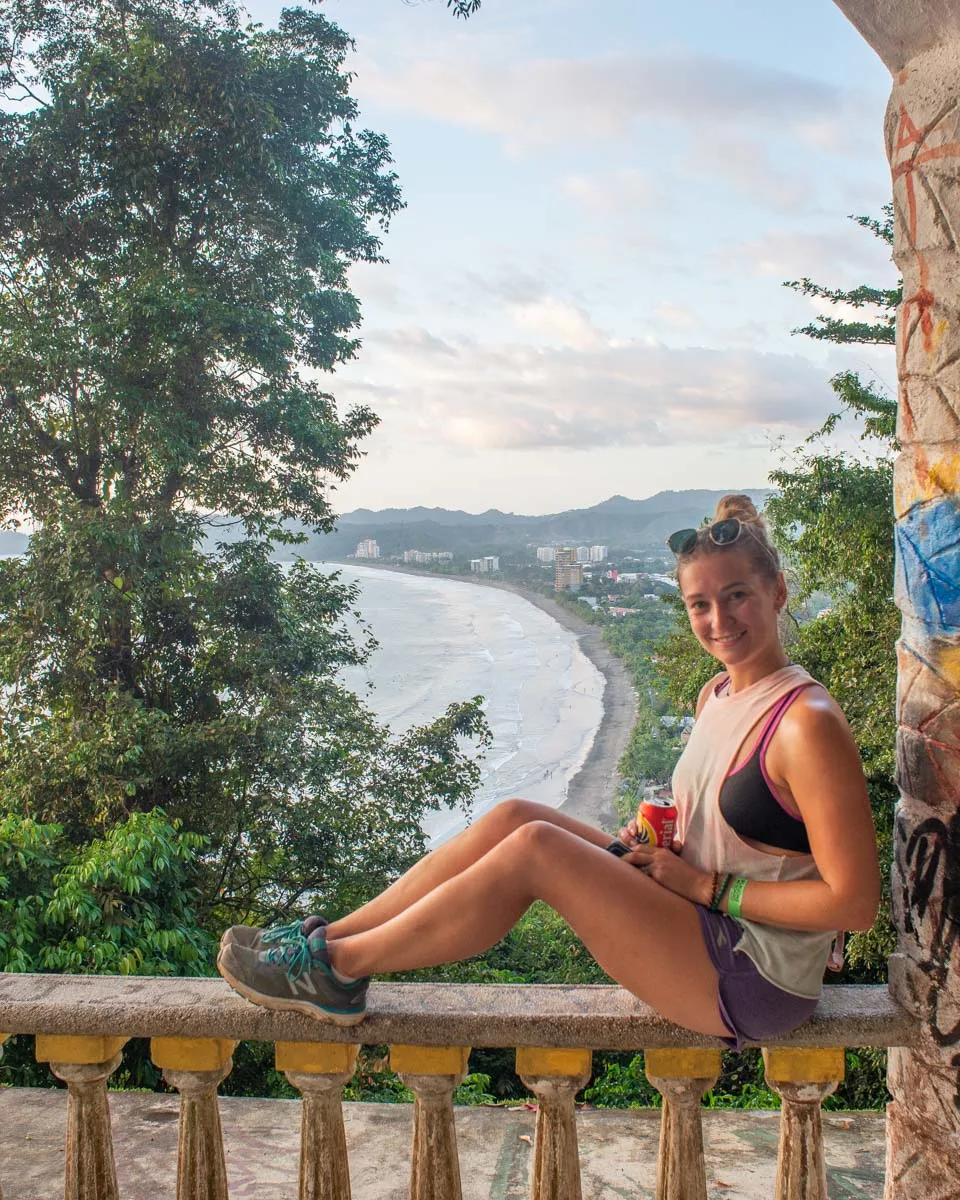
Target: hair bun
737, 505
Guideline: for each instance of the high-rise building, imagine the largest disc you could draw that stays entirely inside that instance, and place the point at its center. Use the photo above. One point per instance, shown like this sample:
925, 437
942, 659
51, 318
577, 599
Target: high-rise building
367, 549
583, 554
598, 553
567, 572
546, 554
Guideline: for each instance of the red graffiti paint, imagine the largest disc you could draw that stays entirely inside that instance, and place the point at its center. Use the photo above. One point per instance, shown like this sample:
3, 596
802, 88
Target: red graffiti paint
923, 300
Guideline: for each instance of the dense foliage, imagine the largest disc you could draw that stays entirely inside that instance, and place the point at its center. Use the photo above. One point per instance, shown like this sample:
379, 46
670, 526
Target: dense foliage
123, 904
180, 200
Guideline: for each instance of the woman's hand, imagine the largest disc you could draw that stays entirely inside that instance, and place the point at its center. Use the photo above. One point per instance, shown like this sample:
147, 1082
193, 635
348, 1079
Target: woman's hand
628, 834
670, 871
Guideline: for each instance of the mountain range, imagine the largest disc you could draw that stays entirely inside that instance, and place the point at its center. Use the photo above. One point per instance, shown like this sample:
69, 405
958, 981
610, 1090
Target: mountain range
620, 523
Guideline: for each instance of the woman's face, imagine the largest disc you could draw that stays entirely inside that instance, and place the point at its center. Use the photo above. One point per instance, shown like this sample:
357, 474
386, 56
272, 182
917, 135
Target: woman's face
732, 607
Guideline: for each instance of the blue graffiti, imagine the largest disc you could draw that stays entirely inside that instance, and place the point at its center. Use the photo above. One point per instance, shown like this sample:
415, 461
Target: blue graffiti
928, 563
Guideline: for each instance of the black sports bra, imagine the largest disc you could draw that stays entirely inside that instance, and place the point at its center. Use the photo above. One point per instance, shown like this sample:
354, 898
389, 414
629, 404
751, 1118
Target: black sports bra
749, 802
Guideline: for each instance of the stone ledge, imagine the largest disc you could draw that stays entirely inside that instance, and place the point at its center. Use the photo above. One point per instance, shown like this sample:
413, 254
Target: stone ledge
426, 1014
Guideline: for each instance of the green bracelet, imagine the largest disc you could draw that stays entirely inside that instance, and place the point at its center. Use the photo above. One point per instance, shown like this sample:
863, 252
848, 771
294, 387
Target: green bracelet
735, 896
721, 883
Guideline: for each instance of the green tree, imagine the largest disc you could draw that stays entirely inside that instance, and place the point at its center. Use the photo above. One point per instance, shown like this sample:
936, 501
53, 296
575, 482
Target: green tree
124, 904
181, 198
878, 328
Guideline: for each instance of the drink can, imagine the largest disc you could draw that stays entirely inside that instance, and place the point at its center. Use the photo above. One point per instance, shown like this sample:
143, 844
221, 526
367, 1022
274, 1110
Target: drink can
656, 821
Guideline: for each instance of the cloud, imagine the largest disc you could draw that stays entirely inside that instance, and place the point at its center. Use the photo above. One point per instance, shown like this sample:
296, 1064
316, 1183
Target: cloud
559, 322
612, 191
379, 285
548, 100
674, 315
746, 163
835, 259
592, 394
683, 116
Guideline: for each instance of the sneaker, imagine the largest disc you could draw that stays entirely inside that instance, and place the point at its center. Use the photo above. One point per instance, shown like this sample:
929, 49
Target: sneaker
294, 976
252, 937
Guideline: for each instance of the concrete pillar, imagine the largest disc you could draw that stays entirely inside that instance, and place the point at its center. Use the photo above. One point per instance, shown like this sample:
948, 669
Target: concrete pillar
319, 1070
433, 1073
802, 1079
555, 1077
919, 40
85, 1064
196, 1067
682, 1077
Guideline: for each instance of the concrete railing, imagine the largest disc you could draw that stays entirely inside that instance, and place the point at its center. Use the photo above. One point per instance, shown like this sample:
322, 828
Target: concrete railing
82, 1022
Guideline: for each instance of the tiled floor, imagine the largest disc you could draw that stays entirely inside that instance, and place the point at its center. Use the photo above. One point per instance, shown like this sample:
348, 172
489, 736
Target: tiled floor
618, 1150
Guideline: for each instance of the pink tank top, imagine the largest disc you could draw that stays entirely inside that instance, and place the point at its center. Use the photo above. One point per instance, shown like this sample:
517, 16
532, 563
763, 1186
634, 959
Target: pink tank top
791, 959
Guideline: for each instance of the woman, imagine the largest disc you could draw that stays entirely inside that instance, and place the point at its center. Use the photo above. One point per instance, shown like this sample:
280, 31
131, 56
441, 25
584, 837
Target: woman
727, 933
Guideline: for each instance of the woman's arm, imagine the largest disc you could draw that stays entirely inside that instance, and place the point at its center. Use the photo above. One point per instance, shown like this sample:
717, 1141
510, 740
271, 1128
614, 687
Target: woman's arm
813, 760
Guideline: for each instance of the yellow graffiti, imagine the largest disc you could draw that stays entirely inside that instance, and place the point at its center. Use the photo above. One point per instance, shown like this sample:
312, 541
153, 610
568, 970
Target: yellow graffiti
944, 476
938, 331
948, 665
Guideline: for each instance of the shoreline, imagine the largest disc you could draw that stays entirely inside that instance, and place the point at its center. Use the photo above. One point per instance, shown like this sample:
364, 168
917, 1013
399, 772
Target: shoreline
592, 790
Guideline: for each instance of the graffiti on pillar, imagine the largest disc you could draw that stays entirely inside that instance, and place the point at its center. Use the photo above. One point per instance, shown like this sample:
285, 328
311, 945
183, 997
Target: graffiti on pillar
928, 870
928, 563
909, 137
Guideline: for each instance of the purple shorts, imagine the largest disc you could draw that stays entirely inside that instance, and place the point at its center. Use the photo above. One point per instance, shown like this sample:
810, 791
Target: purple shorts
752, 1009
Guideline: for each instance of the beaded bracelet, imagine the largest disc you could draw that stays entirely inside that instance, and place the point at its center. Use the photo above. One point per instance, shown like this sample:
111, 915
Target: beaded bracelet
720, 885
735, 898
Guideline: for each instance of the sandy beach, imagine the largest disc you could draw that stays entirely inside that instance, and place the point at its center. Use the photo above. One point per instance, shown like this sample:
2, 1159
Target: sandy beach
591, 793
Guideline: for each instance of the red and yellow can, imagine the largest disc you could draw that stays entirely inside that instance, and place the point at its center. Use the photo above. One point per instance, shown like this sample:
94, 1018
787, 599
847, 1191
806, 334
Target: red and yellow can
656, 821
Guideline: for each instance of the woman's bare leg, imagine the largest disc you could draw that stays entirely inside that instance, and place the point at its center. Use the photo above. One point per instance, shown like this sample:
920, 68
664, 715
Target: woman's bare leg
645, 937
455, 856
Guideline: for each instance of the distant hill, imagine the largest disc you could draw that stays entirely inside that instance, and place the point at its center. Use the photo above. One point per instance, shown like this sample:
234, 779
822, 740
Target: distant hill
620, 523
437, 516
623, 524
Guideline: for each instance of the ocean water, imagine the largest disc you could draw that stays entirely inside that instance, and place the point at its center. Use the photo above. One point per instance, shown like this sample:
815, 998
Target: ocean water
443, 640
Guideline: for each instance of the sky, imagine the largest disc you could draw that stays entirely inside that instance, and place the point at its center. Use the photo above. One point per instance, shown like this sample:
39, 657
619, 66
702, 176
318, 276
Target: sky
584, 292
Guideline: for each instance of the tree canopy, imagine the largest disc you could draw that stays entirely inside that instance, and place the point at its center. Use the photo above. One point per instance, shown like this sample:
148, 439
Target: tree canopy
181, 199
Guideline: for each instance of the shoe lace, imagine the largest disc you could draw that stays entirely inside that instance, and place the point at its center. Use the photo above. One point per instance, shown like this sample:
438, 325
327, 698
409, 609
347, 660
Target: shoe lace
294, 953
282, 933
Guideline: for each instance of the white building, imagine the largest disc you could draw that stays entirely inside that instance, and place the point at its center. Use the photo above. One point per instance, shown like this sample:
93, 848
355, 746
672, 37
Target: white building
598, 553
422, 557
486, 565
583, 554
546, 554
367, 549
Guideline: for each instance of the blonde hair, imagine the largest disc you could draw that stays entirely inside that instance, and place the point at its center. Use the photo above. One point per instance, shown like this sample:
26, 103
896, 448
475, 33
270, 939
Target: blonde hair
754, 540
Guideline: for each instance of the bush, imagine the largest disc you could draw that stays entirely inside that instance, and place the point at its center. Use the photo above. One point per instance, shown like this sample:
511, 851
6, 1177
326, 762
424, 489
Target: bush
122, 904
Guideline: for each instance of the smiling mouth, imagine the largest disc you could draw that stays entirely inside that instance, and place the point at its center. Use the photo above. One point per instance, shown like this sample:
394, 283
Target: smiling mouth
728, 641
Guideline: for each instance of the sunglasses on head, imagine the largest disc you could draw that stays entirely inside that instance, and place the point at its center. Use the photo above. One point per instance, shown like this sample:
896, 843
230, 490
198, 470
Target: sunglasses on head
721, 533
